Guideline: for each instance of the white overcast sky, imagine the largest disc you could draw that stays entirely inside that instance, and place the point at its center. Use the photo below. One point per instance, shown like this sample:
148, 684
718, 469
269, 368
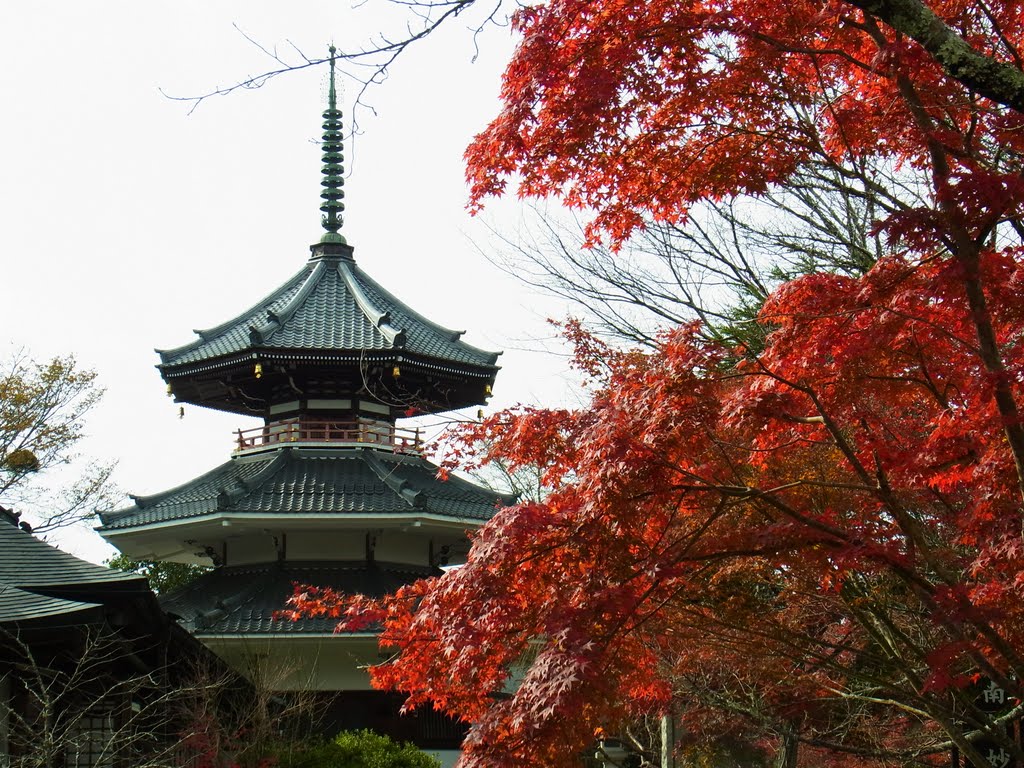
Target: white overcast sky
127, 222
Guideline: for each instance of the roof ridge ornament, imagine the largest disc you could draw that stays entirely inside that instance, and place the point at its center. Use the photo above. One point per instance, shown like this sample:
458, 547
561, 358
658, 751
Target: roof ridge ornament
333, 169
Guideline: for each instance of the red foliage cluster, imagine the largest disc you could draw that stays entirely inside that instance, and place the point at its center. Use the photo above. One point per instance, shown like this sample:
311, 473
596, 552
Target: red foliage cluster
641, 109
839, 515
205, 744
822, 542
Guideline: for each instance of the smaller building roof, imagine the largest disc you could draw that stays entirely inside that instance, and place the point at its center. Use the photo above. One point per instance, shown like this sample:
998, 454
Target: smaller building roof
246, 599
361, 482
39, 582
29, 563
18, 606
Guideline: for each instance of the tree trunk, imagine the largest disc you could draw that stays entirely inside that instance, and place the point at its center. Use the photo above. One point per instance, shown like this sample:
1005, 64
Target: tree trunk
788, 748
1000, 81
668, 740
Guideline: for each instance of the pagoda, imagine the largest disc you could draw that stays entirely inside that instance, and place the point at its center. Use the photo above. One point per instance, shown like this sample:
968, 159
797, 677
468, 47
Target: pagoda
330, 491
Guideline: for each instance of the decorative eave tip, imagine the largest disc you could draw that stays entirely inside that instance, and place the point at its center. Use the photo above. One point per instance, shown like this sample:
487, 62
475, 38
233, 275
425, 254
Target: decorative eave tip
333, 169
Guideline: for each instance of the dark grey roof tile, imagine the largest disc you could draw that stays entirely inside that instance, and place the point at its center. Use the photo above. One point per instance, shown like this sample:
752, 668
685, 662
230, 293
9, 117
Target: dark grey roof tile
331, 305
245, 599
27, 562
315, 481
18, 606
40, 583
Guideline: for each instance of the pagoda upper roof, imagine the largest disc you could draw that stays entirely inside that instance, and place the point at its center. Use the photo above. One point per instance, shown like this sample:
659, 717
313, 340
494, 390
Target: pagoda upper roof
246, 599
330, 307
330, 335
360, 482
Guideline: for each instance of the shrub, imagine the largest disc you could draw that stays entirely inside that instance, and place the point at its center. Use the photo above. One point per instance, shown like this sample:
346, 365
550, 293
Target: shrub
358, 749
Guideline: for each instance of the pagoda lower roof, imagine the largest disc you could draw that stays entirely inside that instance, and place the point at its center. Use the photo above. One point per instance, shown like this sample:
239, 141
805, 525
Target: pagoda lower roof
246, 599
329, 308
361, 482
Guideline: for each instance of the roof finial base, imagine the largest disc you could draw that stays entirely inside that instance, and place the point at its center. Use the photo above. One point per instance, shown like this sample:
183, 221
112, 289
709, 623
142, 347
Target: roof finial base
330, 248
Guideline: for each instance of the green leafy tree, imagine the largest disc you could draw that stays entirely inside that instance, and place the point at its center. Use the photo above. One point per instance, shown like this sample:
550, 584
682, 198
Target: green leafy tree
163, 578
359, 749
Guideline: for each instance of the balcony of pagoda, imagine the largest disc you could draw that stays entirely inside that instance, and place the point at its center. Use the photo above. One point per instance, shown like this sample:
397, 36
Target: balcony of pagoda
351, 433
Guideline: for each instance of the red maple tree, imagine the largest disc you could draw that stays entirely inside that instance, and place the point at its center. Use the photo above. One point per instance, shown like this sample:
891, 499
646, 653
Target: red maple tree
820, 545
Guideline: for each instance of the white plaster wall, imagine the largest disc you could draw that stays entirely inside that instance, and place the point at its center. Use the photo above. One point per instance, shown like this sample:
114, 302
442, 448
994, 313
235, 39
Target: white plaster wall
399, 547
254, 548
322, 545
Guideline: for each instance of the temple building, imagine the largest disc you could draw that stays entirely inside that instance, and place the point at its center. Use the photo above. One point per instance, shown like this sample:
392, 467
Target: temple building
92, 671
330, 490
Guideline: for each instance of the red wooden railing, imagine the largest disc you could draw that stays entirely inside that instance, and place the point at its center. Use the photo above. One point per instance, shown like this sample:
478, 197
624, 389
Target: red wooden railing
359, 431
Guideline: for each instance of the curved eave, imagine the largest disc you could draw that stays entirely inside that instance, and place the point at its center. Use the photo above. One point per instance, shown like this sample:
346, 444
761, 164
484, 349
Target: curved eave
324, 483
248, 357
313, 521
144, 502
229, 383
208, 334
454, 336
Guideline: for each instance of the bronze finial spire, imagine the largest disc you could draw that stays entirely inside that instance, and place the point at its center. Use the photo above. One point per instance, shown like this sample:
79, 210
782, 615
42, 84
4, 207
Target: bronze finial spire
333, 171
